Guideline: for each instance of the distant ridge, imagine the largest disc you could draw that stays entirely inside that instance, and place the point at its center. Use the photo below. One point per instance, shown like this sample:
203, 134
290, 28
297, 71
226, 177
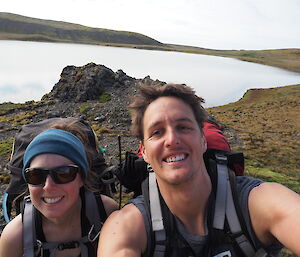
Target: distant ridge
18, 27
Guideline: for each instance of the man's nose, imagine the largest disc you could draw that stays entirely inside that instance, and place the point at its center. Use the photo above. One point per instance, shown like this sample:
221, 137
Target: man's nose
172, 137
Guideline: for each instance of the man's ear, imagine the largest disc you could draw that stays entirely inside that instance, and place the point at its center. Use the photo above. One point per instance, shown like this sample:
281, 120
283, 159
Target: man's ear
144, 153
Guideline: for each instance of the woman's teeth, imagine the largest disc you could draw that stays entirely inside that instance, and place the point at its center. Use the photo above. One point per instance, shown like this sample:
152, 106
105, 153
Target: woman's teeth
52, 200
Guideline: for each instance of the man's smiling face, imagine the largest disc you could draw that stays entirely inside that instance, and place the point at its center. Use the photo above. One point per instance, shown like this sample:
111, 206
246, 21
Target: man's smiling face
173, 142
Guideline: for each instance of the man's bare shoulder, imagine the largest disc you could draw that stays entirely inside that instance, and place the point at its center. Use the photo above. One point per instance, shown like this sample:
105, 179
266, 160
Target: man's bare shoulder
123, 233
270, 193
274, 212
128, 218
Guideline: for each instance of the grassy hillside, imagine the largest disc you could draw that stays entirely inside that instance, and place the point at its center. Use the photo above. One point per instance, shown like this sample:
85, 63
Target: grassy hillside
268, 124
17, 27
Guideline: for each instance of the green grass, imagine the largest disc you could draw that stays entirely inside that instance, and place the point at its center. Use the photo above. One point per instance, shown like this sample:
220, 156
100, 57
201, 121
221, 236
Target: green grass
84, 108
290, 180
104, 97
8, 107
6, 148
20, 118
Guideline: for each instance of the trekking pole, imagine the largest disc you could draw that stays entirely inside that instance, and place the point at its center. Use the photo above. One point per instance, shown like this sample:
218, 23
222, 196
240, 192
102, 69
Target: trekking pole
120, 163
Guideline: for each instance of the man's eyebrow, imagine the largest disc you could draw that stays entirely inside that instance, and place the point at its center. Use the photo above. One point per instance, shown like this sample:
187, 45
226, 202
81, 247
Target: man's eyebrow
157, 123
154, 124
184, 120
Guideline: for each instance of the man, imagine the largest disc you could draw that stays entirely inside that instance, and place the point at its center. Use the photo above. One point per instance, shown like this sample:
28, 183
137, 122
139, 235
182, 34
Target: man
166, 120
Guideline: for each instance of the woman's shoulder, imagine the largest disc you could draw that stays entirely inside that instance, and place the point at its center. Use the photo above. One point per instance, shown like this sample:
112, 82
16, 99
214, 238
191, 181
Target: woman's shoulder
11, 238
14, 228
110, 204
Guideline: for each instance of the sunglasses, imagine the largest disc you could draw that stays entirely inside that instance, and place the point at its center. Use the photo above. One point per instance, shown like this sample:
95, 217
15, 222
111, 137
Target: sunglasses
60, 175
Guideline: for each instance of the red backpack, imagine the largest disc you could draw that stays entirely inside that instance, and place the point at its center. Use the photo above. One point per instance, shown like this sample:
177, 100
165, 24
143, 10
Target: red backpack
215, 137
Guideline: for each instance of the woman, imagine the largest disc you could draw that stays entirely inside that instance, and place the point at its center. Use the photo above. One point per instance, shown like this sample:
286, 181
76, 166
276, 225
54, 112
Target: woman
56, 168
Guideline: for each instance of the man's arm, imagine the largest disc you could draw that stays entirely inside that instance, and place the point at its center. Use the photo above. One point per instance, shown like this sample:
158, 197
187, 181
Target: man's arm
275, 213
123, 234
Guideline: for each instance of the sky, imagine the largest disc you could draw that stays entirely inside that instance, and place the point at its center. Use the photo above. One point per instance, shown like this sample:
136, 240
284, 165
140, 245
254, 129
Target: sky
214, 24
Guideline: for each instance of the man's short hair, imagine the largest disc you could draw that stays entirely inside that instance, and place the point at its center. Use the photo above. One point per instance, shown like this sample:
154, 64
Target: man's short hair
147, 94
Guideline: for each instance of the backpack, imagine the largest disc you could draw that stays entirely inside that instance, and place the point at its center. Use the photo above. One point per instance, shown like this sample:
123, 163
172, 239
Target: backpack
226, 226
17, 184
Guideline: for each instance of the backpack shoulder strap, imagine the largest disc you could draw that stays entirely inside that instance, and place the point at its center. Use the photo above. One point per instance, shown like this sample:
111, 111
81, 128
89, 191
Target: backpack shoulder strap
156, 217
94, 202
152, 203
222, 187
29, 232
226, 205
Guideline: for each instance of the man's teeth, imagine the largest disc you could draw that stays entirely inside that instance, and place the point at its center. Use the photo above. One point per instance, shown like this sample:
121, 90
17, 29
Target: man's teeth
176, 158
52, 200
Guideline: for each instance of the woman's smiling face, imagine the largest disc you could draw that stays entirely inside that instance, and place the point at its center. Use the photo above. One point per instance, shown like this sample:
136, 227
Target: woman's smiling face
173, 142
54, 200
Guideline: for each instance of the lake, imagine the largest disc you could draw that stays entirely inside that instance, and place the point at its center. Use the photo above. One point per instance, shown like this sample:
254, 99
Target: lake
28, 70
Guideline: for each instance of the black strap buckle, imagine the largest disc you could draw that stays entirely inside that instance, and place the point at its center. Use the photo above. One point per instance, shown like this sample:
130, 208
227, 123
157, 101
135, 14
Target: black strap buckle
68, 245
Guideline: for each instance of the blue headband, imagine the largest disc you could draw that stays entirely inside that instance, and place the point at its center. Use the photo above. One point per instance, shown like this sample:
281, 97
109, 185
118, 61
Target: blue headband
57, 141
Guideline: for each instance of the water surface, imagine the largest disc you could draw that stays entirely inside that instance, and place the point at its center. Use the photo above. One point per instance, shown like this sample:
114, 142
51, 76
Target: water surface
28, 70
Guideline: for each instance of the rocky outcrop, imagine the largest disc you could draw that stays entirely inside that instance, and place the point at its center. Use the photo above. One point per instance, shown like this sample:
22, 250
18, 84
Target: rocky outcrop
88, 82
